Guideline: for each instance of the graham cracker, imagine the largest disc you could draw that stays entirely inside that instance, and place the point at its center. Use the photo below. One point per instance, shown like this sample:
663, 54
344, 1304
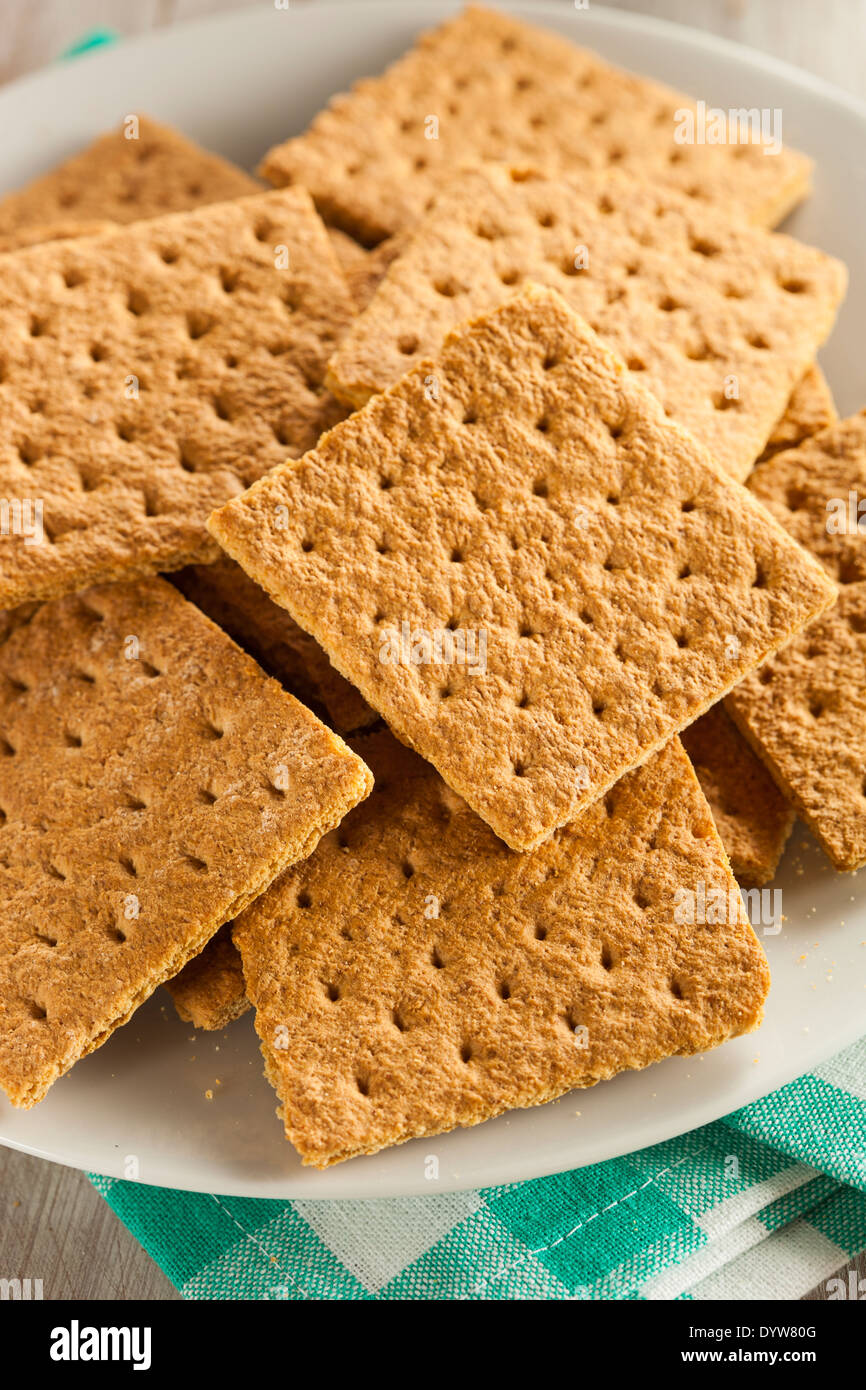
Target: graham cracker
752, 817
718, 320
363, 269
351, 255
521, 493
151, 373
810, 410
415, 974
209, 992
13, 618
236, 604
804, 712
155, 781
485, 86
140, 170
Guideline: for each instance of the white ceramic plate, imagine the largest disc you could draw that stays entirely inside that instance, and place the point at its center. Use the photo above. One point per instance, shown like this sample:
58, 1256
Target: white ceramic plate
138, 1107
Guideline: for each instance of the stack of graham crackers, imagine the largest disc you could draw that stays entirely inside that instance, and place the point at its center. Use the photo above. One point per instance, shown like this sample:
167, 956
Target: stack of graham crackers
445, 437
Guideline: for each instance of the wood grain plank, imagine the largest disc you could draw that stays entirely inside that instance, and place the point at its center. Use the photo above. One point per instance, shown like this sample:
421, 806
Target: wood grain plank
54, 1226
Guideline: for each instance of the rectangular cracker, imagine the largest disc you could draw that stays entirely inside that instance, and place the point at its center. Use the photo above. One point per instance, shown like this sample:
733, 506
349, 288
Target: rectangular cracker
151, 373
810, 410
483, 87
693, 303
236, 604
752, 817
524, 491
154, 782
210, 992
415, 974
141, 169
804, 712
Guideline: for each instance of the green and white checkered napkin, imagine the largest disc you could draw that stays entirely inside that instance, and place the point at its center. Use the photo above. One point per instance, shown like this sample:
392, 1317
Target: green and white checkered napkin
761, 1205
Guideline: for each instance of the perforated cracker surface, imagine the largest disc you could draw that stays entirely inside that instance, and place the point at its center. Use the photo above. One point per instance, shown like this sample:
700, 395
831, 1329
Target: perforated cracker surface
486, 87
415, 974
719, 321
150, 374
752, 817
576, 581
243, 610
119, 179
152, 782
804, 712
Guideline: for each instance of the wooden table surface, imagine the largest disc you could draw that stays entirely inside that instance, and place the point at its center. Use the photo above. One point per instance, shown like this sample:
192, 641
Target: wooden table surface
53, 1225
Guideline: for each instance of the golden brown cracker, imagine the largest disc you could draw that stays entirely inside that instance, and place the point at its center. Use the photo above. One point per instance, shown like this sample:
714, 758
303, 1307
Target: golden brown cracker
141, 169
209, 992
13, 618
364, 270
148, 375
485, 86
810, 410
809, 492
26, 236
532, 574
804, 712
752, 817
719, 320
349, 252
415, 974
154, 782
236, 604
